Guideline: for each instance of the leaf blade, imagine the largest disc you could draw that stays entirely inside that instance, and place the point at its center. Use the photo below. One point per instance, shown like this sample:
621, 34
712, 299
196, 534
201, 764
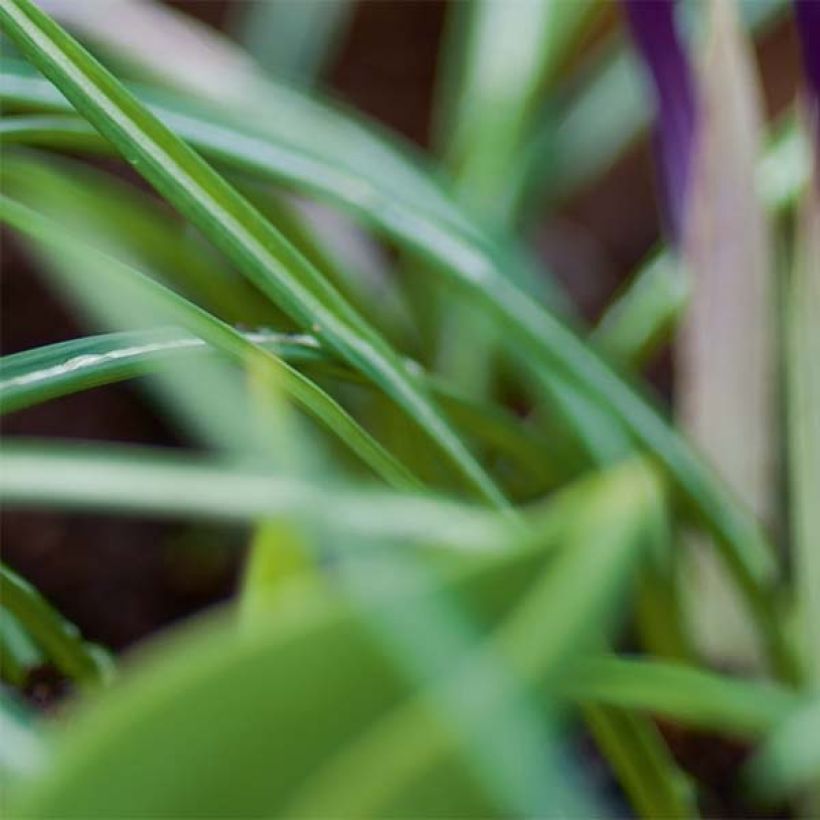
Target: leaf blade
232, 224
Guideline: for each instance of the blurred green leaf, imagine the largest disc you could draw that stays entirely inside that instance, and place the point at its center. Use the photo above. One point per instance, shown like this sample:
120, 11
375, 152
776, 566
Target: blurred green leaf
637, 752
271, 694
19, 654
682, 693
142, 479
137, 288
565, 610
789, 761
803, 416
24, 751
60, 640
137, 228
293, 41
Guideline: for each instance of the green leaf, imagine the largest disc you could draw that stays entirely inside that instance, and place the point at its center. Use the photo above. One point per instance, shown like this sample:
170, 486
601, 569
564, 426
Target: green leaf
645, 767
24, 751
789, 761
537, 336
496, 59
293, 41
33, 376
229, 221
136, 228
640, 319
18, 652
248, 718
803, 417
401, 755
681, 693
162, 302
59, 639
152, 481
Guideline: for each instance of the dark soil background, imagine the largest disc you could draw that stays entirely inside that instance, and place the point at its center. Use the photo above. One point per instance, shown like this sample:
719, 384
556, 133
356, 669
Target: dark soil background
119, 579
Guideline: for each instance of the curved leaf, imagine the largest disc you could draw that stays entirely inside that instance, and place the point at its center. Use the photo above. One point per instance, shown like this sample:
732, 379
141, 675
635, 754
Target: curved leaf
44, 373
257, 248
171, 306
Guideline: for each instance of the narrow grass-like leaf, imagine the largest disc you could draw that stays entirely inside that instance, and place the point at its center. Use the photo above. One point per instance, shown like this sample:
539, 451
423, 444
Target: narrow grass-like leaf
135, 479
536, 331
635, 749
138, 228
687, 694
642, 317
636, 324
489, 98
257, 248
170, 306
531, 330
504, 56
59, 639
33, 376
803, 419
643, 764
209, 67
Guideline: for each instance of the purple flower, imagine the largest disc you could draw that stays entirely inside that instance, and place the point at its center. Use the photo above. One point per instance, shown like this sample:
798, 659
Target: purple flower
653, 28
807, 16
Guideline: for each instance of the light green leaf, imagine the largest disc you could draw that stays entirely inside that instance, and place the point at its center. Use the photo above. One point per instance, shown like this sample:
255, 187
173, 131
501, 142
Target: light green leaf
404, 755
152, 481
803, 417
271, 698
681, 693
789, 762
293, 40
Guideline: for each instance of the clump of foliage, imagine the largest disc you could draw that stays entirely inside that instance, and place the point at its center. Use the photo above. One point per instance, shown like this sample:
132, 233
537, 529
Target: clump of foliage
440, 581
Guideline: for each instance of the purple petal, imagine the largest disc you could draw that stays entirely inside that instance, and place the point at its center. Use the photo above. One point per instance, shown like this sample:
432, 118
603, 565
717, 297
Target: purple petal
807, 16
653, 28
